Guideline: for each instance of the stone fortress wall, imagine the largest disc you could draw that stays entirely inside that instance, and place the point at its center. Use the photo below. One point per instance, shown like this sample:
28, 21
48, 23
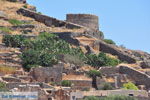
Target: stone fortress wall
87, 20
49, 21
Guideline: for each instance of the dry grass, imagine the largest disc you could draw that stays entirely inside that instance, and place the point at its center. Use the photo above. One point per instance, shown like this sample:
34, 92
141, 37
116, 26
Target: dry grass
7, 70
76, 77
86, 40
129, 65
10, 9
86, 68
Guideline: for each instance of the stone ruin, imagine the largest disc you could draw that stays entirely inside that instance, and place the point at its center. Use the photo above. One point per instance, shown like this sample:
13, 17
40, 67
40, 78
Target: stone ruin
87, 20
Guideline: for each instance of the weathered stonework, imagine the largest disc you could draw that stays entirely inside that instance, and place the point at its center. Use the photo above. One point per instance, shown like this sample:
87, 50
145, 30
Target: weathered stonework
87, 20
47, 74
107, 48
139, 77
49, 21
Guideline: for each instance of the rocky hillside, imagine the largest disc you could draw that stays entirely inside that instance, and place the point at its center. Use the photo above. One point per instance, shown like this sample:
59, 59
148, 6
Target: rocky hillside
42, 50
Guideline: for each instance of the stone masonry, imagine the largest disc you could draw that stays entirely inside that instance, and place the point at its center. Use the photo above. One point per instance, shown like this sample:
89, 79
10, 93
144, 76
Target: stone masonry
87, 20
47, 74
139, 77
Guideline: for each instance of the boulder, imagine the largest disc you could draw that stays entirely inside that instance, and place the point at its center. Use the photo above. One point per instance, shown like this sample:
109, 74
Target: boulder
145, 64
2, 14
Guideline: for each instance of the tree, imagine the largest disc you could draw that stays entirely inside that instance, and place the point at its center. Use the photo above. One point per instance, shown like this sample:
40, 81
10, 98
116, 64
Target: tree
94, 74
109, 41
130, 86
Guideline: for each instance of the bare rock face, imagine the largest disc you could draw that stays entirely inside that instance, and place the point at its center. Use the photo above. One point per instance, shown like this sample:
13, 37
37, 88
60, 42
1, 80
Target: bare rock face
145, 64
47, 74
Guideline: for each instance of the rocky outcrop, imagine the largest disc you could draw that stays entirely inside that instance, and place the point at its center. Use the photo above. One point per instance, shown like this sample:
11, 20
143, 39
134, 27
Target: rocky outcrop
145, 64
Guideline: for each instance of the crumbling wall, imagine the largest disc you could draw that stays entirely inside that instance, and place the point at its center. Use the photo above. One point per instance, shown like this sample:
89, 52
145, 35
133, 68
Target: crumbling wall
82, 84
139, 77
87, 20
108, 48
47, 74
49, 21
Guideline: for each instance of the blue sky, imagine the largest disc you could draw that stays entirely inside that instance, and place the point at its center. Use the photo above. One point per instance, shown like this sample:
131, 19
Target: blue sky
126, 22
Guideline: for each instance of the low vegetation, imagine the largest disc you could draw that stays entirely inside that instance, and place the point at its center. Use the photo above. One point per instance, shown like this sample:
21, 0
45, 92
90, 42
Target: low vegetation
48, 49
117, 97
101, 60
17, 22
130, 86
107, 86
13, 40
109, 41
25, 6
5, 29
3, 87
66, 83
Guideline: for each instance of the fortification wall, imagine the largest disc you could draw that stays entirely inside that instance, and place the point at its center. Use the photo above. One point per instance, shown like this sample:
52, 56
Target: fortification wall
107, 48
87, 20
49, 21
140, 77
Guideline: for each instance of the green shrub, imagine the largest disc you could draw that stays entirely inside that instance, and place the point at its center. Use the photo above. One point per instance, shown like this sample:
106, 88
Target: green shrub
39, 13
3, 87
109, 41
5, 29
25, 6
13, 40
46, 50
101, 60
107, 86
130, 86
66, 83
16, 22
